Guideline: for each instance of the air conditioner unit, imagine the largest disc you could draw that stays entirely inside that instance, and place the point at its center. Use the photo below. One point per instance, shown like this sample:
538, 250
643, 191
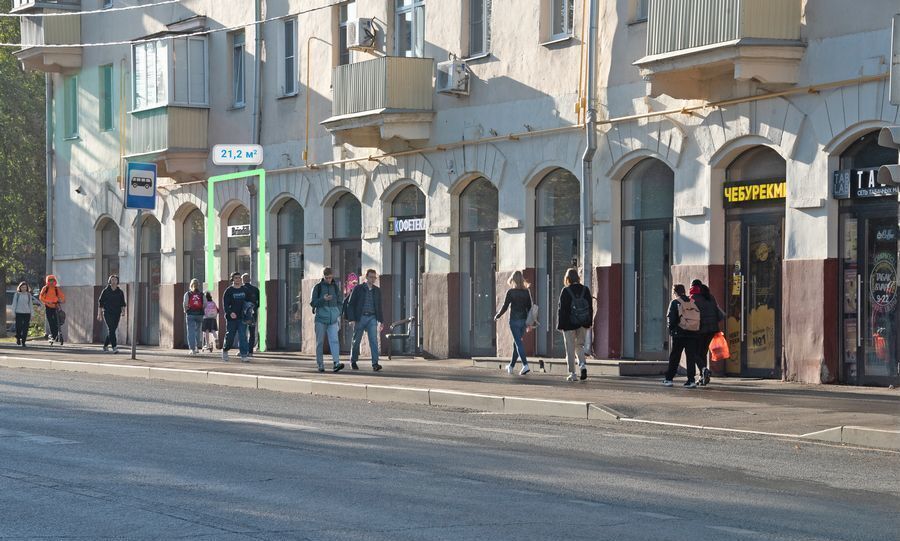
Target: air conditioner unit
453, 77
360, 34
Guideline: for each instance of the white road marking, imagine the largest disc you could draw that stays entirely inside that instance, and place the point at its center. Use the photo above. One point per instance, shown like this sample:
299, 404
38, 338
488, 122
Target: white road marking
303, 428
661, 516
479, 428
739, 531
34, 438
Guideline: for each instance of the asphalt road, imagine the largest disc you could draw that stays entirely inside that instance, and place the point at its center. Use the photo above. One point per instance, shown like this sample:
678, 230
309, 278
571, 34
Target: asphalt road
95, 458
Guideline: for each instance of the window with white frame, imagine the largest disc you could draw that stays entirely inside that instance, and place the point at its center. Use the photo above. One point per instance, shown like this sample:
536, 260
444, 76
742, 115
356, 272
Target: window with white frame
106, 97
237, 69
346, 13
562, 18
289, 79
479, 27
409, 26
149, 69
190, 77
70, 107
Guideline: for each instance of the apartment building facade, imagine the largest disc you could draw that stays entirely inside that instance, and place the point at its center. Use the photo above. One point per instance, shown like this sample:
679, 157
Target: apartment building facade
736, 146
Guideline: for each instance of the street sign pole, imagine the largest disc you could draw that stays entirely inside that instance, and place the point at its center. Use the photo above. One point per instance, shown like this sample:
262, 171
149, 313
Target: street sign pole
136, 295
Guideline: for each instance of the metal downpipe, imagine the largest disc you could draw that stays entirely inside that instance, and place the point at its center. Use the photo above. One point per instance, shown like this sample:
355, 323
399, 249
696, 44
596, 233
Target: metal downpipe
587, 170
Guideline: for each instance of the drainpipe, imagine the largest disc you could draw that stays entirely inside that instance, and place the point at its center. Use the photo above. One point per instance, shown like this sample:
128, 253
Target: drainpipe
256, 135
48, 149
587, 173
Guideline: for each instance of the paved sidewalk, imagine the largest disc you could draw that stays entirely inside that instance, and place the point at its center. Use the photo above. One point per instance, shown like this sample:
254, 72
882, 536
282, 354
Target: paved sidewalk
732, 403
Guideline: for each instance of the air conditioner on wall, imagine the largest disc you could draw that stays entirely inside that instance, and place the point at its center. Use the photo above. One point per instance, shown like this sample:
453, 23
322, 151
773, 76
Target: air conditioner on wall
360, 34
453, 77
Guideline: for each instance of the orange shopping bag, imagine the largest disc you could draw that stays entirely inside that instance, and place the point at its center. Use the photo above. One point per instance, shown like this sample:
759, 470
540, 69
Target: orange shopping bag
718, 347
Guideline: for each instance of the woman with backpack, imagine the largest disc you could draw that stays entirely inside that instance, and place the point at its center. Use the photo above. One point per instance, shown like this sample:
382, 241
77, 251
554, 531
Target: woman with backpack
193, 305
518, 300
684, 323
574, 316
22, 308
53, 298
210, 322
710, 318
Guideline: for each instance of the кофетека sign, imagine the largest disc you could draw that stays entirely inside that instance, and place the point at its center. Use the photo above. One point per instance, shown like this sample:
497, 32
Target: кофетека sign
754, 192
406, 225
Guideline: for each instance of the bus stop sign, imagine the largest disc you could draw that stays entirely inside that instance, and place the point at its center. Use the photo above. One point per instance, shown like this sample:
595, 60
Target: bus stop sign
140, 186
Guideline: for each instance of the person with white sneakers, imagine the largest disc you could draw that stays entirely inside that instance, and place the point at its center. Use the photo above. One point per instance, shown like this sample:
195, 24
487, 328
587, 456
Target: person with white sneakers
193, 305
574, 316
110, 307
518, 301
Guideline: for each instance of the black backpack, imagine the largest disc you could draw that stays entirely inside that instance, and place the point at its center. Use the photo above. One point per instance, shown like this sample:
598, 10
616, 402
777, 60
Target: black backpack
580, 312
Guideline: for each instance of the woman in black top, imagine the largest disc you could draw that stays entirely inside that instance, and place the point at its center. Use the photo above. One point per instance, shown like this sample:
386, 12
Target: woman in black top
518, 300
109, 309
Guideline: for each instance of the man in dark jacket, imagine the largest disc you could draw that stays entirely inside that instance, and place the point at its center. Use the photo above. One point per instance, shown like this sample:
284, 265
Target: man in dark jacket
683, 341
233, 305
575, 314
710, 318
109, 309
253, 297
364, 308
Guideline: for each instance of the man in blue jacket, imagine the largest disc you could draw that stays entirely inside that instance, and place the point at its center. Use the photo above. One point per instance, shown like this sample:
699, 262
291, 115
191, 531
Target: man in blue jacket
233, 304
364, 307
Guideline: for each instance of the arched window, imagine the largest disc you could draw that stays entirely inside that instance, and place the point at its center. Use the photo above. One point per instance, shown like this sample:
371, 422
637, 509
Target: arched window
151, 274
151, 237
193, 243
409, 202
239, 245
347, 218
758, 163
290, 257
866, 153
109, 249
558, 199
648, 191
290, 224
478, 206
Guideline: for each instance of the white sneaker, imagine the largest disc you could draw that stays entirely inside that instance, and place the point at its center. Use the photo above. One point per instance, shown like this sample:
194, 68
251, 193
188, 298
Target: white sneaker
509, 369
667, 383
525, 370
224, 356
115, 350
572, 377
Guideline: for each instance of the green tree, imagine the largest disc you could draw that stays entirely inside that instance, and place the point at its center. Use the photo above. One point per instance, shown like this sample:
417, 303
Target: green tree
22, 169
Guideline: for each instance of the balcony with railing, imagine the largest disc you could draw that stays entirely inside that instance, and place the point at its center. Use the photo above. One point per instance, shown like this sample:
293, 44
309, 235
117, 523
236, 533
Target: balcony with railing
44, 39
382, 99
173, 137
31, 6
690, 42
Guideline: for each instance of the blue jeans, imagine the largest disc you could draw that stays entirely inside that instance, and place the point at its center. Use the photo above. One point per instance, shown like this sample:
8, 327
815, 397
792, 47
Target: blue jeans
193, 324
517, 327
331, 330
236, 328
369, 325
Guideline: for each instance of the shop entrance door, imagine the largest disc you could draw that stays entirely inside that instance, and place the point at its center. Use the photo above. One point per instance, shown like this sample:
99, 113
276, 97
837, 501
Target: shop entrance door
647, 266
557, 251
289, 309
754, 245
869, 262
409, 265
477, 277
149, 331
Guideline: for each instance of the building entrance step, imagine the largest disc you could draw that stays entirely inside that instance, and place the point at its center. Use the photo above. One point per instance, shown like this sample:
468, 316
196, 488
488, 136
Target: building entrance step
599, 367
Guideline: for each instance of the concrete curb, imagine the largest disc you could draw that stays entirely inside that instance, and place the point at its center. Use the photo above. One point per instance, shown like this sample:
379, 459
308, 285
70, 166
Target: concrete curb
846, 435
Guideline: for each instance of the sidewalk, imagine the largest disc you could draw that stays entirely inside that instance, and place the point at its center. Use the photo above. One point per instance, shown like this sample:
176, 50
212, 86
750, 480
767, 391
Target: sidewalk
759, 406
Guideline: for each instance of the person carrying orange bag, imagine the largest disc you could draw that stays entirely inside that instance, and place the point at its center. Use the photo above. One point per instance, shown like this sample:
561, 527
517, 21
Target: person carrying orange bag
53, 298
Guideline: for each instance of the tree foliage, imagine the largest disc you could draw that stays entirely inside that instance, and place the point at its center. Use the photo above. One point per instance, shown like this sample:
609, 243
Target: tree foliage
22, 163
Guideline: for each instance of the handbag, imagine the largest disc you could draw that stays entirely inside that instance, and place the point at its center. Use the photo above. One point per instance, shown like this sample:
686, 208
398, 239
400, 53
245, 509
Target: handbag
531, 320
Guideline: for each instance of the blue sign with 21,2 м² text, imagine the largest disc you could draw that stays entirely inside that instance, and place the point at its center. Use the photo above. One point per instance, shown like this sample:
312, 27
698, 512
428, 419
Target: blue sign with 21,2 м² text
140, 186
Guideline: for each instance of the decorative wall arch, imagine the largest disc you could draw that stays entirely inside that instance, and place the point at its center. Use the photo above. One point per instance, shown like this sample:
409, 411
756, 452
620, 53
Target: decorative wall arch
776, 121
843, 108
469, 162
628, 161
661, 138
727, 153
108, 203
847, 137
414, 168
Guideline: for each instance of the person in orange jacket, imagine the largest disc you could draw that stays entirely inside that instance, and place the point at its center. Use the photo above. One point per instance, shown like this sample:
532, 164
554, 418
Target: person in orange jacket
53, 298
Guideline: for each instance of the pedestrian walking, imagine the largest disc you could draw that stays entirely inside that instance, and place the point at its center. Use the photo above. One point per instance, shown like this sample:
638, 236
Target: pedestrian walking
210, 322
23, 309
684, 324
110, 307
518, 301
574, 316
252, 297
326, 302
193, 305
364, 309
236, 305
53, 298
711, 317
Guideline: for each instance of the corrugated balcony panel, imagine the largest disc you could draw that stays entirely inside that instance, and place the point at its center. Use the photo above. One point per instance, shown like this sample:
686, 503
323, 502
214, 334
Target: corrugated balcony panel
165, 128
383, 83
188, 127
40, 31
676, 25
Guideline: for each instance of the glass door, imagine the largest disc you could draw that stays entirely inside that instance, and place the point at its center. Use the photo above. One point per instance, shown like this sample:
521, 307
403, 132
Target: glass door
754, 254
647, 284
557, 251
409, 260
477, 279
870, 300
289, 309
151, 272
